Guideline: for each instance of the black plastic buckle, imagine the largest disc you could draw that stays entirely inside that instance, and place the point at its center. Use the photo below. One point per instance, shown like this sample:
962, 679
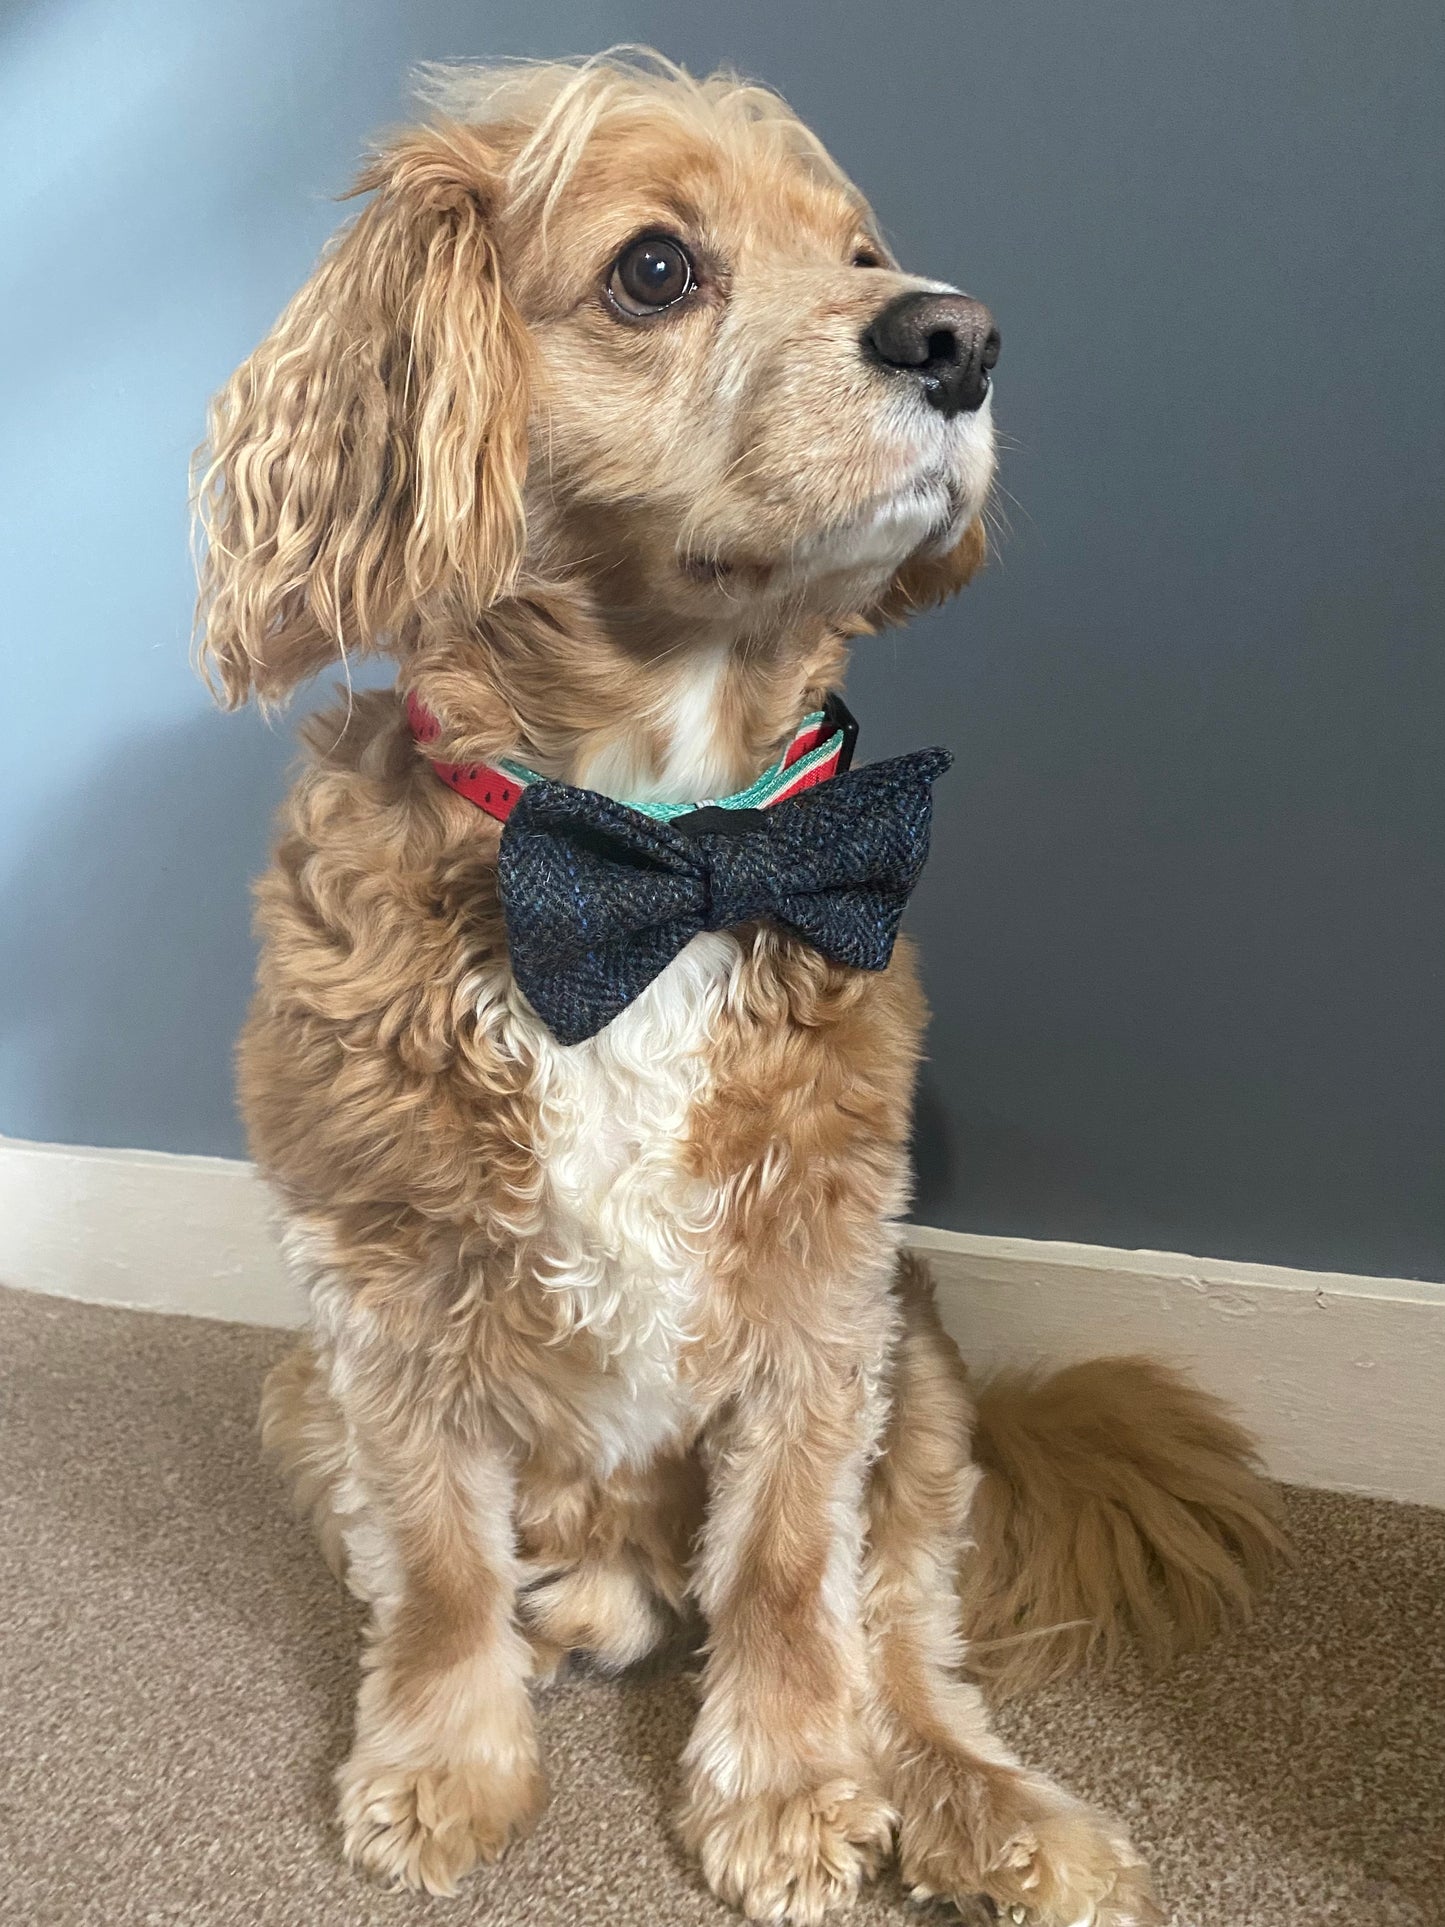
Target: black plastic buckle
837, 715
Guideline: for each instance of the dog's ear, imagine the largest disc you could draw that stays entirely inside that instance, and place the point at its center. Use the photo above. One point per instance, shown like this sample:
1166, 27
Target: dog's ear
371, 453
924, 581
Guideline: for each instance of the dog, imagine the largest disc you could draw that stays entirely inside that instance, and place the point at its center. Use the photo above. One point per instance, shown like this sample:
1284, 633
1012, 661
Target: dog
613, 420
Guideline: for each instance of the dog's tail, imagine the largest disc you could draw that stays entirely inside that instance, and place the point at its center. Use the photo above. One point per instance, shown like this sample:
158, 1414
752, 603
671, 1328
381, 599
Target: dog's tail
1117, 1500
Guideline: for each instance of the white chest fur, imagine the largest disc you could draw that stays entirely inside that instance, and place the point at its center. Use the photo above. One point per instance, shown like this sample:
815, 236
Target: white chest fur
625, 1229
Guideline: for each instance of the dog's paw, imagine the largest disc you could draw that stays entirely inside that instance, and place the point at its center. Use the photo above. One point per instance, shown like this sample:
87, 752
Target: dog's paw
602, 1608
427, 1826
996, 1842
789, 1857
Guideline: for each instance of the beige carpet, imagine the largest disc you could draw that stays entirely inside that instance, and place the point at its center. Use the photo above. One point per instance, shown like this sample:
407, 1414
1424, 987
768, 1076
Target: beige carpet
176, 1667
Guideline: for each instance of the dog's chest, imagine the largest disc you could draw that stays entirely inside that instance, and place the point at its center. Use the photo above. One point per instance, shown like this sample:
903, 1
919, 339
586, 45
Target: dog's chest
624, 1248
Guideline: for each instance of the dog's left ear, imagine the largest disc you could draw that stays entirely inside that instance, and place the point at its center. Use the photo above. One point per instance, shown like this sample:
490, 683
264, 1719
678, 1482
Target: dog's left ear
924, 581
370, 454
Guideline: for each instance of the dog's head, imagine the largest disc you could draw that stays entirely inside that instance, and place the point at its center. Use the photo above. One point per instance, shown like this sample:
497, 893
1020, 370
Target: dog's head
603, 324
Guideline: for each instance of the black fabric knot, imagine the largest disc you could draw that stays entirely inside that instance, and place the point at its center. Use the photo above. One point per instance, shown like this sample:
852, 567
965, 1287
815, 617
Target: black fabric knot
600, 898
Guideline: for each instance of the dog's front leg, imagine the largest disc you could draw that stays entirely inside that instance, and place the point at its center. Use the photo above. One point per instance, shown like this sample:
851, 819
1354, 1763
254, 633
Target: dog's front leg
782, 1806
444, 1768
975, 1826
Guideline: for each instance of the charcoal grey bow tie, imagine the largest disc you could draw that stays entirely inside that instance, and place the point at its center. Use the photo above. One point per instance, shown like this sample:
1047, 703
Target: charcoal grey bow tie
599, 898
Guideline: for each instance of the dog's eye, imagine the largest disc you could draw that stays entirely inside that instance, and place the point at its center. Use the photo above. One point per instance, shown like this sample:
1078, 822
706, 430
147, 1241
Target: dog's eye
651, 274
867, 258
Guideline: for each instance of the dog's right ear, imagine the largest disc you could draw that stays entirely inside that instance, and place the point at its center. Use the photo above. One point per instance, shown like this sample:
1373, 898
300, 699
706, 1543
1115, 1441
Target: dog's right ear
370, 454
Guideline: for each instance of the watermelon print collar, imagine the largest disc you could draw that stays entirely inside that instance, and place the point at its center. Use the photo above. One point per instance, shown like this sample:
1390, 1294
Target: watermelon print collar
822, 746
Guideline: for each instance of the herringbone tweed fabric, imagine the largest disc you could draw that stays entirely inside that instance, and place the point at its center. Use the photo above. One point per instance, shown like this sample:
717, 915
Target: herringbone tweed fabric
599, 899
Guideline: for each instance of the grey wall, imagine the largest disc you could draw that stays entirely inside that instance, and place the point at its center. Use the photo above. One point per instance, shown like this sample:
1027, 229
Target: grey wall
1185, 924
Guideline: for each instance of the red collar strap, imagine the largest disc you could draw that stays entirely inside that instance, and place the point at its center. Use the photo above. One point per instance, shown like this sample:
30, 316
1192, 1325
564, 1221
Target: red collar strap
822, 746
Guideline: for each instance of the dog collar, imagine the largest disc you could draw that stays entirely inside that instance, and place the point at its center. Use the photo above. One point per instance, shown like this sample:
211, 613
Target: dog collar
822, 746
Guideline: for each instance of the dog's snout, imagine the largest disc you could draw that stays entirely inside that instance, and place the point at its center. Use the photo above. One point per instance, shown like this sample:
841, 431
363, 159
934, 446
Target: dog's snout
948, 340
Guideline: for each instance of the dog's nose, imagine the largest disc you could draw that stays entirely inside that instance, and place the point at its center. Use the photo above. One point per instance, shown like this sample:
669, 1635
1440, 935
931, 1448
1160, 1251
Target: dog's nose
948, 340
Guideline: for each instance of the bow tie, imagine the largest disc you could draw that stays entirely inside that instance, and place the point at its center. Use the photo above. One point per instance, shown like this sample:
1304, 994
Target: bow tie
599, 898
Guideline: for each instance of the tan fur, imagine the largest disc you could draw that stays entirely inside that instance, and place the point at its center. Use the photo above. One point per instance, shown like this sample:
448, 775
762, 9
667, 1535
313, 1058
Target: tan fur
1117, 1500
596, 1331
973, 1821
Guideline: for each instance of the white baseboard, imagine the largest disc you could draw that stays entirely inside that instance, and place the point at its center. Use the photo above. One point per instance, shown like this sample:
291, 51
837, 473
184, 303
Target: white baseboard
1341, 1378
148, 1229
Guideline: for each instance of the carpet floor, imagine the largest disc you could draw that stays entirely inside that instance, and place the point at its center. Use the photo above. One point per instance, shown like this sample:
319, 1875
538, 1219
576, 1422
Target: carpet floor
176, 1669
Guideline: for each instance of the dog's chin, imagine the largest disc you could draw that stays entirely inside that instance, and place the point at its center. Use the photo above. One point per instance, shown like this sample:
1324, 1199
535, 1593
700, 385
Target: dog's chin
840, 567
925, 516
949, 473
856, 554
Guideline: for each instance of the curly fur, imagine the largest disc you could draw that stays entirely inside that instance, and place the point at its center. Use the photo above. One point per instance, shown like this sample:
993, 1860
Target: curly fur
601, 1331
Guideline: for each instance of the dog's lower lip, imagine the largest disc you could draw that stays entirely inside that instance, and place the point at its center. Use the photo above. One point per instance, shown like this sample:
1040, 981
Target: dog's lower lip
704, 568
923, 488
